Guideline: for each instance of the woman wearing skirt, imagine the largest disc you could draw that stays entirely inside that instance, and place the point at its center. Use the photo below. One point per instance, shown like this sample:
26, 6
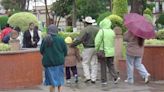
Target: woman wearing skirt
53, 50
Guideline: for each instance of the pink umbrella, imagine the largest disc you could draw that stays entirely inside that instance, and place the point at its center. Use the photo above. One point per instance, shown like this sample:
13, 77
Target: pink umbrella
139, 26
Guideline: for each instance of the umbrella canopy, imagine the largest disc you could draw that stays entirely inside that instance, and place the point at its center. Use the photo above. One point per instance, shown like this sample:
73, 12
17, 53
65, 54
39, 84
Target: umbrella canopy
139, 26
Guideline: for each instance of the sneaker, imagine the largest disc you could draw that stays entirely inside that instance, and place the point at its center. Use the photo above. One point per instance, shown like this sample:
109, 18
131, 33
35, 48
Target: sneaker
126, 81
76, 79
87, 80
93, 82
147, 79
68, 81
116, 80
104, 83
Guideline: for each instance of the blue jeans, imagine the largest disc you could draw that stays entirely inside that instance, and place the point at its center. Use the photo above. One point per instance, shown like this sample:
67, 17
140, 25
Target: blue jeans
135, 61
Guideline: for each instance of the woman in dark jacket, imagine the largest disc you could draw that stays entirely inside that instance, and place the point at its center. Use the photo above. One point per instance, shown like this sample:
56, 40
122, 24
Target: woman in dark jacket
53, 50
30, 37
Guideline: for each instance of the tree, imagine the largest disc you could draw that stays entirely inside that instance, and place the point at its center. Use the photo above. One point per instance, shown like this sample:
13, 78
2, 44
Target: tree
138, 6
61, 8
90, 8
120, 7
14, 5
47, 13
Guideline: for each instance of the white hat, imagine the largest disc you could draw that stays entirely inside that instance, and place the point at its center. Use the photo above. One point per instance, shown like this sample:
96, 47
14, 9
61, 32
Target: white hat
89, 19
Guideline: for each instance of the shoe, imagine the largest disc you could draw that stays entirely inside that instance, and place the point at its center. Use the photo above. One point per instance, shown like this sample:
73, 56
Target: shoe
76, 79
104, 83
147, 79
87, 80
126, 81
68, 81
116, 80
93, 82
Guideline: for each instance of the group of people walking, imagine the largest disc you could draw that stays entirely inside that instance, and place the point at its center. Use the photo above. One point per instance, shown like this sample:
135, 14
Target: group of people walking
59, 53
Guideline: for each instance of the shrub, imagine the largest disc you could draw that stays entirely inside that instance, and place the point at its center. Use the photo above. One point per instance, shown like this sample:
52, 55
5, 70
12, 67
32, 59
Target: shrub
102, 16
148, 17
148, 11
116, 20
69, 29
3, 21
4, 47
160, 20
160, 34
120, 7
22, 20
71, 34
154, 42
64, 34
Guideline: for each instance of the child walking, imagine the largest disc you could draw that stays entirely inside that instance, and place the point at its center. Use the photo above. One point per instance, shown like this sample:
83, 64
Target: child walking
71, 60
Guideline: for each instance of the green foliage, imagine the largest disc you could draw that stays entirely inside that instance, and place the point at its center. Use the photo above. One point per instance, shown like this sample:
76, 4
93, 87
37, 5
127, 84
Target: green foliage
160, 34
4, 47
148, 17
160, 20
150, 6
116, 20
148, 11
22, 20
90, 8
124, 50
69, 29
3, 21
62, 7
64, 34
14, 5
71, 34
120, 7
102, 16
154, 42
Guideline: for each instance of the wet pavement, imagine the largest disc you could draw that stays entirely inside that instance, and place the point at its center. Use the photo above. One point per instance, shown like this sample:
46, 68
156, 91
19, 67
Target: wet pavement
154, 86
139, 86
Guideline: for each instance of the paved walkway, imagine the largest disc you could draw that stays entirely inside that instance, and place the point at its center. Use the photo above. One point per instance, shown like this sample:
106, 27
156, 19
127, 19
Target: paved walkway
82, 87
153, 86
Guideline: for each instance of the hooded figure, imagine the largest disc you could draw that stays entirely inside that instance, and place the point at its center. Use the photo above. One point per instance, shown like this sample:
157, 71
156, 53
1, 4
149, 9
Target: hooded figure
105, 40
53, 50
108, 36
52, 31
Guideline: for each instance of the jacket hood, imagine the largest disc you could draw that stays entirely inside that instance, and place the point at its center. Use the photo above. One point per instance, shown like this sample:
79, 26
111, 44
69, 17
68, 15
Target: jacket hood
105, 24
52, 29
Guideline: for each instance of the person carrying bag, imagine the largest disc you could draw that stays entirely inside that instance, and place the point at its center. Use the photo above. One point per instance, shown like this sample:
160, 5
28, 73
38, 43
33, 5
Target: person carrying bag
101, 53
104, 45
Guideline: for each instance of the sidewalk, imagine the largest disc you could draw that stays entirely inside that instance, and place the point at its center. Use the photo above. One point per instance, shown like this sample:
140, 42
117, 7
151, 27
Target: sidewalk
139, 86
82, 87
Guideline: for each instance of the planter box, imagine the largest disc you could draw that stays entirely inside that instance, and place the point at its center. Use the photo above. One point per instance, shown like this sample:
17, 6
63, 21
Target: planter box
153, 60
20, 69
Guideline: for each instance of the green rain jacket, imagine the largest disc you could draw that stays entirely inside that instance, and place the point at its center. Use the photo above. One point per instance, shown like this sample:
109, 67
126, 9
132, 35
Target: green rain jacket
108, 36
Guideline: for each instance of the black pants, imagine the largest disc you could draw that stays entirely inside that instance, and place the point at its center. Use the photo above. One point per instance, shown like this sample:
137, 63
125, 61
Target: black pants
68, 71
107, 62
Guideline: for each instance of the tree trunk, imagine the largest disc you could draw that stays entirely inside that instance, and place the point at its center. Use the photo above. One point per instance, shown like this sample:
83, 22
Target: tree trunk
28, 2
137, 6
110, 4
55, 20
58, 21
74, 14
47, 13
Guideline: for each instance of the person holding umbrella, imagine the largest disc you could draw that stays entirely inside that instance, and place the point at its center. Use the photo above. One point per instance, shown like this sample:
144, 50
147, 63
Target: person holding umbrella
139, 29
